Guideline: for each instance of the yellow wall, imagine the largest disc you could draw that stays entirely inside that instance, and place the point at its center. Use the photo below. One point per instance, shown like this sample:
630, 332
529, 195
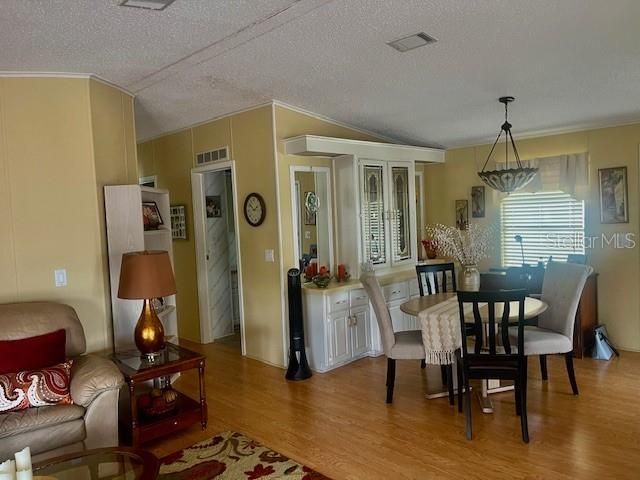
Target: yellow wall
249, 136
55, 143
619, 269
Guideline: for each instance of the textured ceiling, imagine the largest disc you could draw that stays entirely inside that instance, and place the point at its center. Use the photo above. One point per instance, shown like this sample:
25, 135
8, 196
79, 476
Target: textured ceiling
570, 63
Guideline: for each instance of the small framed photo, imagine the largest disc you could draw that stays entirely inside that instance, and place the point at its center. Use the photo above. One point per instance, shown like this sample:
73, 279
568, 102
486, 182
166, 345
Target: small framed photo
614, 203
151, 218
477, 202
462, 214
214, 206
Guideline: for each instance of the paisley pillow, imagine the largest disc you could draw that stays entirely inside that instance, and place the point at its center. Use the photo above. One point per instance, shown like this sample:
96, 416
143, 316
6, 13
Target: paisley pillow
35, 388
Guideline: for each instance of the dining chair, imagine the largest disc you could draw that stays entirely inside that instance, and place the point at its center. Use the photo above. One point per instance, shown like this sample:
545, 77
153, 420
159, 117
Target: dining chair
406, 345
561, 291
487, 360
439, 275
437, 270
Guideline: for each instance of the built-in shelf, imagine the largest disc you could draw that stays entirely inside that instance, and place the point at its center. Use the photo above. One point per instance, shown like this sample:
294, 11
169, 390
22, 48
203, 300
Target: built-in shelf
125, 233
159, 231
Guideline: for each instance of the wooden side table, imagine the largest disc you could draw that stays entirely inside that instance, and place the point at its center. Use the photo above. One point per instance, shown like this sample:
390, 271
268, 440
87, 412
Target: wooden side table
138, 428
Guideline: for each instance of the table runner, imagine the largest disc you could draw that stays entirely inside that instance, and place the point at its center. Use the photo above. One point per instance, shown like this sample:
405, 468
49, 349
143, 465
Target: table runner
440, 327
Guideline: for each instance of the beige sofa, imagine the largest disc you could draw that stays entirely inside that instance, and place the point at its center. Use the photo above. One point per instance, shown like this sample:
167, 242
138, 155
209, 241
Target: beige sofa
92, 420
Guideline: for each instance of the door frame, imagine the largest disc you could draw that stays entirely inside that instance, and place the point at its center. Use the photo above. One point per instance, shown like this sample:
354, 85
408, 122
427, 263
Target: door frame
420, 216
199, 223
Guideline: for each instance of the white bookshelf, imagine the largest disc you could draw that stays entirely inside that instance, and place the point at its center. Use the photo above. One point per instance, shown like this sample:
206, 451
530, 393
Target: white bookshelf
125, 233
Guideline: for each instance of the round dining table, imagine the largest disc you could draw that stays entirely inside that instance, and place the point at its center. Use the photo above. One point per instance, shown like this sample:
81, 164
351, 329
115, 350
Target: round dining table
532, 308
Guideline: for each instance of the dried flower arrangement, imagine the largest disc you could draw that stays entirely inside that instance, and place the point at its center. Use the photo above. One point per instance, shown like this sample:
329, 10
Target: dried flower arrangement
468, 246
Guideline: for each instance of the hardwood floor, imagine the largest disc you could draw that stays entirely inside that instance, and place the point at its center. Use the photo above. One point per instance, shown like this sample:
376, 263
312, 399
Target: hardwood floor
339, 424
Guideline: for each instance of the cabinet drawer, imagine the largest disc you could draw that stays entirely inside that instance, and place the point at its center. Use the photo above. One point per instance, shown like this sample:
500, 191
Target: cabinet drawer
395, 291
338, 301
358, 298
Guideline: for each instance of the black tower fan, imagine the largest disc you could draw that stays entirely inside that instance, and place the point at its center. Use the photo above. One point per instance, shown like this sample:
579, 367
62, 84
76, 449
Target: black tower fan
298, 365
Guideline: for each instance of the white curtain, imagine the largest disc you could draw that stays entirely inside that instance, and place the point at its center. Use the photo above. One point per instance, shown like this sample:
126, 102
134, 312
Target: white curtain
569, 173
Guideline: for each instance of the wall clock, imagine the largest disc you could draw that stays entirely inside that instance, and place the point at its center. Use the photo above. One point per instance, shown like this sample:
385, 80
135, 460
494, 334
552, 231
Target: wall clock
254, 209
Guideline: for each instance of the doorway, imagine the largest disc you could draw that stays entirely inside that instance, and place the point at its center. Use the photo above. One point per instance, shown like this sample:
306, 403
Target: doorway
218, 254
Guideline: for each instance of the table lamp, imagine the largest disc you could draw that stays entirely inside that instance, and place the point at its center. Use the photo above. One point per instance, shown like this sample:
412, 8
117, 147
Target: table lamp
144, 276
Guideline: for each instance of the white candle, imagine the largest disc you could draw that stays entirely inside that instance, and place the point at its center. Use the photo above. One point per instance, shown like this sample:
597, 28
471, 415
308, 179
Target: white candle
8, 467
23, 459
8, 470
24, 475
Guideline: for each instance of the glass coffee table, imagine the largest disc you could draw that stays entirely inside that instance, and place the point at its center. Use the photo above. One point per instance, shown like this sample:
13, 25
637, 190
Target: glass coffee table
117, 463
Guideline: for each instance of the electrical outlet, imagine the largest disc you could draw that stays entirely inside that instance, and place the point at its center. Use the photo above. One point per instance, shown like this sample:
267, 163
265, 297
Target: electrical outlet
60, 277
269, 256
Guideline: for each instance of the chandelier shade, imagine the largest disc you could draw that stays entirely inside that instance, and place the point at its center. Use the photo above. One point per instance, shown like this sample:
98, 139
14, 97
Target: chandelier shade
508, 179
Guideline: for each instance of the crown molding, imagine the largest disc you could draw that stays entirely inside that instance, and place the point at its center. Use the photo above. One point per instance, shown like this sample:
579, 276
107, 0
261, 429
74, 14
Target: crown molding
90, 76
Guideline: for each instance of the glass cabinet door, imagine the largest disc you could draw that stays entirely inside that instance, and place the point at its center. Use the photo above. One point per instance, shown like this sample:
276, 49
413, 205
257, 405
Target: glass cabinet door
401, 240
373, 221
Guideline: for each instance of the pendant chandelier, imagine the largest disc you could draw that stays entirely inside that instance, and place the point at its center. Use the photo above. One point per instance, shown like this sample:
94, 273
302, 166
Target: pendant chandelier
510, 179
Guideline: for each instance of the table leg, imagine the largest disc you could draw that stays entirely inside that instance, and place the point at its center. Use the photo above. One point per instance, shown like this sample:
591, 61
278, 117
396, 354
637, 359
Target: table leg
135, 434
435, 387
203, 397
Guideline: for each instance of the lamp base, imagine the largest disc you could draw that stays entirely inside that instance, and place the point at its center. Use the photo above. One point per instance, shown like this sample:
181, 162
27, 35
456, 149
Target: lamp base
149, 333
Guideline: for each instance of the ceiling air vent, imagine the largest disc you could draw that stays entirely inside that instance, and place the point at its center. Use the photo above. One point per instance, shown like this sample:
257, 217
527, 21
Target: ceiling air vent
412, 41
147, 4
212, 156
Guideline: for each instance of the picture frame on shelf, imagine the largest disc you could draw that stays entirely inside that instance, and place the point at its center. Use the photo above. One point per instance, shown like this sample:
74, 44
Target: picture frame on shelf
614, 195
151, 218
477, 202
462, 214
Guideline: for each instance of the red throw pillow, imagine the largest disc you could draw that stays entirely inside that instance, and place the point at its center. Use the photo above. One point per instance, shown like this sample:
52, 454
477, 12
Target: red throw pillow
32, 353
35, 388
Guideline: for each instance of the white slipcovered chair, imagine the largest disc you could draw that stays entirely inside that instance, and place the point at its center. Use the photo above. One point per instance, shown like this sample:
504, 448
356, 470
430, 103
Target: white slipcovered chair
405, 345
561, 290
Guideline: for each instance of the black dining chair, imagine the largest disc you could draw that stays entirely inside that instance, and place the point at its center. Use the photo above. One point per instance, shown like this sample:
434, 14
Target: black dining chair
490, 361
439, 272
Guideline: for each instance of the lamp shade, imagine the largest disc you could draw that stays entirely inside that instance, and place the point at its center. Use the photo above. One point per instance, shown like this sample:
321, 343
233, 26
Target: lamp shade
146, 274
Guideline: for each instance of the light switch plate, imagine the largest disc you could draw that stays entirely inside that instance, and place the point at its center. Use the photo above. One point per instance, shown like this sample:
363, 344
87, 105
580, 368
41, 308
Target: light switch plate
269, 256
60, 277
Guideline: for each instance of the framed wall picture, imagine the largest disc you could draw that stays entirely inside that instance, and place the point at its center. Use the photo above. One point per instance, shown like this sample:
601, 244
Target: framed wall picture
477, 202
462, 214
178, 222
614, 204
151, 218
214, 206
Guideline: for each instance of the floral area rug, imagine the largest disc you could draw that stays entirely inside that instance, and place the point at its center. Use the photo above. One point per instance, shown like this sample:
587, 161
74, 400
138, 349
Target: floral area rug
232, 456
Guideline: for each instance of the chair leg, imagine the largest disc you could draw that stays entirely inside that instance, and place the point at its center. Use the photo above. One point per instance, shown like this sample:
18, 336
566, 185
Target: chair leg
391, 378
568, 358
543, 367
449, 369
443, 374
460, 384
523, 403
423, 363
518, 390
467, 407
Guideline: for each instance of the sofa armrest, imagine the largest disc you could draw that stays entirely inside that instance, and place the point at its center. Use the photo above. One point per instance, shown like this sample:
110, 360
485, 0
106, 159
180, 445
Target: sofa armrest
90, 376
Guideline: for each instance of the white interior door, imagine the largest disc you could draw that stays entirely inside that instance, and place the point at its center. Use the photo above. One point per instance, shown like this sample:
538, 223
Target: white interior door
217, 249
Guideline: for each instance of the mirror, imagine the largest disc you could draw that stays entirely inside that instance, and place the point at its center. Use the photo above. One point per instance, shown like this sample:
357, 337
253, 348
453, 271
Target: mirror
311, 201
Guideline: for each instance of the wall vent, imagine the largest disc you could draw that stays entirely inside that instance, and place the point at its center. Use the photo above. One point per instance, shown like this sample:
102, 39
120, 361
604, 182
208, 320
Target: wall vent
217, 155
147, 4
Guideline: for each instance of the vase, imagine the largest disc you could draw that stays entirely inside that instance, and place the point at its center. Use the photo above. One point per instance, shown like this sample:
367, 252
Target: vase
469, 278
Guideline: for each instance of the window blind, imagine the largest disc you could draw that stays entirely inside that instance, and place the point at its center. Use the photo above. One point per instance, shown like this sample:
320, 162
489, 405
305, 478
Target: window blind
550, 224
